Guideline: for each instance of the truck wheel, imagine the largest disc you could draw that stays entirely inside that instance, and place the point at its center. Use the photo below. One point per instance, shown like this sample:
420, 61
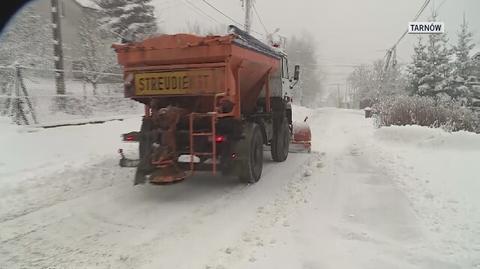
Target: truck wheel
280, 141
251, 166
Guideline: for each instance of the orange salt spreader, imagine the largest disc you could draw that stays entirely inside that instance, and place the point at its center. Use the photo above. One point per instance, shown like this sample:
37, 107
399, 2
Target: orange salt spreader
211, 103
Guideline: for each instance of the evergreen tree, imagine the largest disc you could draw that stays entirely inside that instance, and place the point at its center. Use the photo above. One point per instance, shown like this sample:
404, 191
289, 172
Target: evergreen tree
463, 65
131, 19
476, 65
438, 68
418, 69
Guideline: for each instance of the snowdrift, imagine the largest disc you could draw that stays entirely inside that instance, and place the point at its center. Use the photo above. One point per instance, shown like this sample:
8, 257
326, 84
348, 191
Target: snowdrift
424, 137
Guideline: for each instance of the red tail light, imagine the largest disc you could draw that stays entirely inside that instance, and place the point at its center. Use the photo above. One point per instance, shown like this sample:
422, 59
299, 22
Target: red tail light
220, 138
130, 137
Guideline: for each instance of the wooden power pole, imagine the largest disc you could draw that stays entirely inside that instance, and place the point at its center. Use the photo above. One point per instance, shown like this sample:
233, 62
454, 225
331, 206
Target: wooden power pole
58, 48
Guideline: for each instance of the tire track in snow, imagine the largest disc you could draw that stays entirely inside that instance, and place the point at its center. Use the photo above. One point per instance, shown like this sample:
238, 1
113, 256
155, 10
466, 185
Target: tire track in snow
41, 192
272, 215
107, 223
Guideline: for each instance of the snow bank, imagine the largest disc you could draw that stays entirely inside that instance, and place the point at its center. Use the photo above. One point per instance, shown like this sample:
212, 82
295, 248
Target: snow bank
27, 152
7, 127
439, 173
424, 137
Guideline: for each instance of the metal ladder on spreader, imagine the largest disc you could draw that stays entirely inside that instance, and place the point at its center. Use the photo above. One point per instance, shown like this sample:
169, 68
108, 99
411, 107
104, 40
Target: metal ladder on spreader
212, 134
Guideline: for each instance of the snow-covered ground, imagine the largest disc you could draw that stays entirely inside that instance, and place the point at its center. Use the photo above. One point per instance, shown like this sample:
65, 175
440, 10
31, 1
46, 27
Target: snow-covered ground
438, 171
398, 197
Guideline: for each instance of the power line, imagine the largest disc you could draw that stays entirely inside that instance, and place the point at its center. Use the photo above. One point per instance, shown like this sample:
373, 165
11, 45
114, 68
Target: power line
435, 10
200, 11
229, 17
419, 13
260, 19
392, 52
225, 15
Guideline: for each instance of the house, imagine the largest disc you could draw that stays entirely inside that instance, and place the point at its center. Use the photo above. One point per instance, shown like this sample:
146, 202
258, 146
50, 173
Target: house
71, 14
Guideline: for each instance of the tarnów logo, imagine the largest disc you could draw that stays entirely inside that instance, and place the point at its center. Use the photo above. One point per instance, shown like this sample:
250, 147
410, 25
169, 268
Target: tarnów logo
431, 27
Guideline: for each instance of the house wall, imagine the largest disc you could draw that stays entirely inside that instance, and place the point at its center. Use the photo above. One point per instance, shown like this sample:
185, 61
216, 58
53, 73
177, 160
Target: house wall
71, 14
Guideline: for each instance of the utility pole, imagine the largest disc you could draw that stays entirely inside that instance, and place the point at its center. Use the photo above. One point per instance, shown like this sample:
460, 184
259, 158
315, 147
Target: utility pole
58, 48
338, 97
248, 14
345, 98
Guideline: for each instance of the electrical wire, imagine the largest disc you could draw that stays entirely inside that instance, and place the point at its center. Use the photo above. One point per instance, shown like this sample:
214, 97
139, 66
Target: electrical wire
260, 19
221, 12
419, 13
435, 11
230, 18
200, 11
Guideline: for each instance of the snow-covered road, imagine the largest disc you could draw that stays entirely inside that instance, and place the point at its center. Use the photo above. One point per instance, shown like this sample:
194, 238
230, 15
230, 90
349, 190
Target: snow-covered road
345, 206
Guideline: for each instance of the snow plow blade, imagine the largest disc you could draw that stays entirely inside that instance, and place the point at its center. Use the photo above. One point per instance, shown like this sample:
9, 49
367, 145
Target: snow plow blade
302, 138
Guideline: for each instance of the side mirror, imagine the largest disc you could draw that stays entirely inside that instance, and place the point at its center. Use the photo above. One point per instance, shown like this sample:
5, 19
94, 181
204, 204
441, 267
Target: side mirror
296, 75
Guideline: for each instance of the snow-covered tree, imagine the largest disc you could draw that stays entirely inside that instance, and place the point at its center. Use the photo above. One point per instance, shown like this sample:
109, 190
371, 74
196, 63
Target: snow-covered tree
463, 65
371, 82
27, 40
302, 51
418, 68
476, 65
438, 67
389, 82
98, 57
131, 19
361, 79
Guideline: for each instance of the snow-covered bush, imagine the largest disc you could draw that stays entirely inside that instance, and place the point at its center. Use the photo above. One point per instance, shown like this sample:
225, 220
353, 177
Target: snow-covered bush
425, 111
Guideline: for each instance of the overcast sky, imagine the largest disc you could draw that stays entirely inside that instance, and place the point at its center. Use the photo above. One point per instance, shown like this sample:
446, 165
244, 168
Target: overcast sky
346, 31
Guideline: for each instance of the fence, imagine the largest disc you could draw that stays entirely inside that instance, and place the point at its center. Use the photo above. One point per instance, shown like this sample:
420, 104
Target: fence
28, 96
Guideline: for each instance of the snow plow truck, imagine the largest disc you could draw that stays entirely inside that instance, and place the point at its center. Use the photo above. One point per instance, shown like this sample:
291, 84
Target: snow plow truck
211, 104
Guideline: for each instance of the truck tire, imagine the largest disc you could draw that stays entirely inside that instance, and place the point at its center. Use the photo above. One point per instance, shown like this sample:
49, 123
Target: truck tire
250, 167
280, 141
